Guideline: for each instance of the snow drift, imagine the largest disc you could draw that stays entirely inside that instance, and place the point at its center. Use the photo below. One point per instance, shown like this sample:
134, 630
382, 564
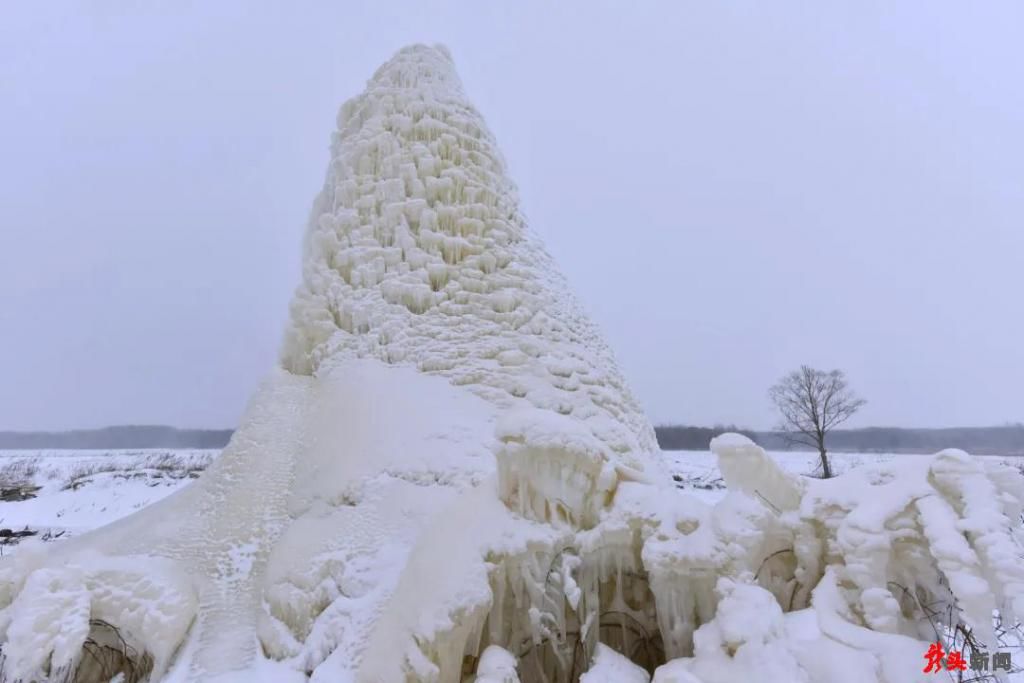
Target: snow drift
448, 480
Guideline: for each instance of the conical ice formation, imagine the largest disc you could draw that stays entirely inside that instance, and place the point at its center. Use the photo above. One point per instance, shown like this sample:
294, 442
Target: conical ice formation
447, 480
417, 254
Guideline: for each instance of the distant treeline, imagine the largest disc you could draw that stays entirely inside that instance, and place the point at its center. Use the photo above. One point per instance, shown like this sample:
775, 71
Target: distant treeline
1006, 440
127, 436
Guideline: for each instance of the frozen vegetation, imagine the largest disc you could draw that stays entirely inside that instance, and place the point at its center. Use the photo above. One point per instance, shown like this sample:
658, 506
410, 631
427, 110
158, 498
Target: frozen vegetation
447, 479
59, 494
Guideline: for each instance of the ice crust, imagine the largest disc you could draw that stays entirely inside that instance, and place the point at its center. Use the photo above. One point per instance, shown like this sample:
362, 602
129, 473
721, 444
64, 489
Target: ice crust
611, 667
448, 480
497, 665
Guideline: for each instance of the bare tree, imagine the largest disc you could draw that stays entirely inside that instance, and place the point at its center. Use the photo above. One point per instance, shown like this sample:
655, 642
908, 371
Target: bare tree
812, 402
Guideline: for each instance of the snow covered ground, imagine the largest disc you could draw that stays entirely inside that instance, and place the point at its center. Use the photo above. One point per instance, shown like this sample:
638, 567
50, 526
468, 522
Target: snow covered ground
697, 471
61, 493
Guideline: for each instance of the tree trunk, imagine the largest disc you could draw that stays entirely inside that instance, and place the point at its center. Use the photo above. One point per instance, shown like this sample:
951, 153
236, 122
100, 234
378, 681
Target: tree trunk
826, 470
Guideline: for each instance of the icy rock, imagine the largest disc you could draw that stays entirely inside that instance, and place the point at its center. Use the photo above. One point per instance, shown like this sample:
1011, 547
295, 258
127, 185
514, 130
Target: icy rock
990, 523
47, 623
685, 545
746, 467
746, 614
553, 468
937, 530
751, 639
497, 665
675, 671
609, 666
744, 640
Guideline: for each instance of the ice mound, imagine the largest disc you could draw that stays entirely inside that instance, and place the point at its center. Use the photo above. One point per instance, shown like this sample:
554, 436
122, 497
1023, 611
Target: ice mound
497, 665
611, 667
746, 467
59, 617
447, 480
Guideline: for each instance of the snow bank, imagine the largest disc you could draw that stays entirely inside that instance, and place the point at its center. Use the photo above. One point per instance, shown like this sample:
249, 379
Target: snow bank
151, 602
746, 467
751, 639
611, 667
497, 665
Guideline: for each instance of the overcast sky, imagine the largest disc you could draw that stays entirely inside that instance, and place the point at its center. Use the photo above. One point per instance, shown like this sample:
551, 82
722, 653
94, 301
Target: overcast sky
732, 188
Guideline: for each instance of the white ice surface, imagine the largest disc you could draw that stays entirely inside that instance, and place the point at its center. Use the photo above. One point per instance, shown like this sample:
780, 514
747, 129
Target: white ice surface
608, 666
496, 665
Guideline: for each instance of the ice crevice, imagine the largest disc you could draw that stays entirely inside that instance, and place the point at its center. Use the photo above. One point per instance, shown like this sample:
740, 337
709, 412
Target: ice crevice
448, 479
